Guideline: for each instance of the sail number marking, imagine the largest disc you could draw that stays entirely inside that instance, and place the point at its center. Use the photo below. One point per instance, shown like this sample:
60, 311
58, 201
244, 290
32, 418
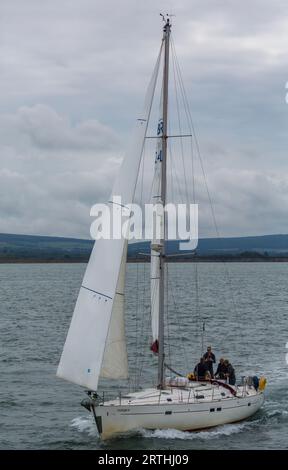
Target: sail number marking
160, 128
158, 156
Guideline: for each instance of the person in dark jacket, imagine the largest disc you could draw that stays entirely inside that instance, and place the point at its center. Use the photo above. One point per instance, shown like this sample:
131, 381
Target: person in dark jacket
230, 374
210, 360
201, 369
221, 370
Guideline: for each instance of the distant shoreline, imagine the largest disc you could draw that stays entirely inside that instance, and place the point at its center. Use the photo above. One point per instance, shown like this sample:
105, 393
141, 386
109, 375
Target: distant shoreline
204, 259
28, 249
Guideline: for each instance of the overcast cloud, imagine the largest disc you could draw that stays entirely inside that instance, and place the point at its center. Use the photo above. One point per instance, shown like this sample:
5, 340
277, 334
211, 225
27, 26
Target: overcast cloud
72, 80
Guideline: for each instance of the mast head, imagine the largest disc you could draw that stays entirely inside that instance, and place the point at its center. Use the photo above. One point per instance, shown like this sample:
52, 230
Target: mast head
166, 19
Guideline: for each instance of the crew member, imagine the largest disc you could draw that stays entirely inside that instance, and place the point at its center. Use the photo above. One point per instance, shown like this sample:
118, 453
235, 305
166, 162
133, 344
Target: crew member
221, 369
210, 360
201, 369
230, 374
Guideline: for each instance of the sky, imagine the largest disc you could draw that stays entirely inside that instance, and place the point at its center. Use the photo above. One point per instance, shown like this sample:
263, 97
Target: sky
73, 75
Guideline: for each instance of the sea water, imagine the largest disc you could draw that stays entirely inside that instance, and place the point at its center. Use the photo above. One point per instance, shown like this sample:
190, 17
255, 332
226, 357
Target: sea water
240, 309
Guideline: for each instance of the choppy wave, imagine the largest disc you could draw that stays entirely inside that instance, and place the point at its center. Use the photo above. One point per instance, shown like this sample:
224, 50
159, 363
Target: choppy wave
256, 346
86, 425
275, 409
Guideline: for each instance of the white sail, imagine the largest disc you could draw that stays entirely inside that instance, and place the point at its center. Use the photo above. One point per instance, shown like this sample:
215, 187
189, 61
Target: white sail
155, 242
115, 361
155, 278
82, 356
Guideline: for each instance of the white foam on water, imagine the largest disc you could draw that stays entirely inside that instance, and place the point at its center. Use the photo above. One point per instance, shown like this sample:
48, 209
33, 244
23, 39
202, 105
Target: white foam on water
271, 408
84, 425
269, 402
225, 430
276, 413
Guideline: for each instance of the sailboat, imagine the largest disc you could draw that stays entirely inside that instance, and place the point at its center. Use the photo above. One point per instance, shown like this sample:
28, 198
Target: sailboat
95, 346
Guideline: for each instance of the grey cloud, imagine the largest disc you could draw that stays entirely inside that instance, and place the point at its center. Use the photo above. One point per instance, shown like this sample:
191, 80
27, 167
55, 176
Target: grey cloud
47, 129
51, 172
72, 80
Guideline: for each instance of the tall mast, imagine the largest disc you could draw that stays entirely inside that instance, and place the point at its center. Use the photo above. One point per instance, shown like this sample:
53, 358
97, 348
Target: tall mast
166, 38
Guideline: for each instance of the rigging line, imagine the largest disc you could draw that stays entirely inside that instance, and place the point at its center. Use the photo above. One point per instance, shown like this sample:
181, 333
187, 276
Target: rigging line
145, 335
175, 173
167, 314
181, 335
173, 162
172, 191
136, 312
179, 125
185, 101
143, 292
185, 105
141, 346
169, 291
141, 178
193, 192
199, 316
192, 129
187, 111
173, 370
142, 342
151, 188
136, 323
168, 136
177, 316
169, 166
186, 108
145, 318
192, 171
179, 197
214, 219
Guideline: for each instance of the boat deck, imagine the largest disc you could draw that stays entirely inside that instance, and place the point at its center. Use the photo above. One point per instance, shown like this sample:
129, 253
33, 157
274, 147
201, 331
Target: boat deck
194, 392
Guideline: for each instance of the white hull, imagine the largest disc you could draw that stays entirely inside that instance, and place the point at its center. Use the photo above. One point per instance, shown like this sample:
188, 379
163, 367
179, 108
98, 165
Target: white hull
176, 409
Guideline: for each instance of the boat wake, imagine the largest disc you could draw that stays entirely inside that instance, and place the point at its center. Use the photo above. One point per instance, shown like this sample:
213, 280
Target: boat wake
85, 425
269, 413
220, 431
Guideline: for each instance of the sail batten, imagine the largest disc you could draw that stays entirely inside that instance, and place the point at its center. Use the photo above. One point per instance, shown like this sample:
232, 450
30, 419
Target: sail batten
85, 349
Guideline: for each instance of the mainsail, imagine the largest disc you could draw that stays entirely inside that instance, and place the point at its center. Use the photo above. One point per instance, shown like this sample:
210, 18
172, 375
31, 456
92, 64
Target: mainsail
156, 240
88, 336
